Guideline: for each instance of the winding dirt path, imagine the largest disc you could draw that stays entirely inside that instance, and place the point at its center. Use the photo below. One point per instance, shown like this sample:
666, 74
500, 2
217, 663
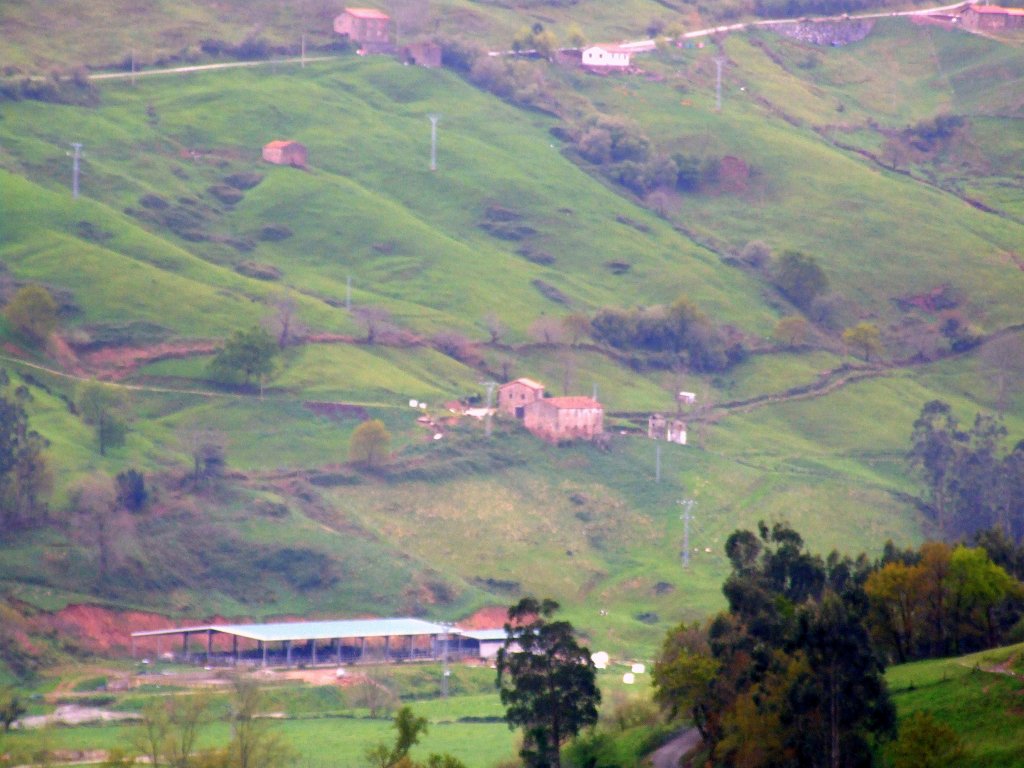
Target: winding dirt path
670, 755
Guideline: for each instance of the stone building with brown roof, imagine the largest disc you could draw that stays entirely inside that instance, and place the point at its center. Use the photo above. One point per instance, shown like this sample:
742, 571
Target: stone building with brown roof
564, 418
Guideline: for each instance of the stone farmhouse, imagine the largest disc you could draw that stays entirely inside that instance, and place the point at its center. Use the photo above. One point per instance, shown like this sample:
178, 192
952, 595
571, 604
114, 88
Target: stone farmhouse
992, 17
514, 396
367, 26
607, 57
564, 418
286, 153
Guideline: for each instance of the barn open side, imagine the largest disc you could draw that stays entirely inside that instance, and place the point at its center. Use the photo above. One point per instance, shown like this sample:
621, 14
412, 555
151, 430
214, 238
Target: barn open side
309, 643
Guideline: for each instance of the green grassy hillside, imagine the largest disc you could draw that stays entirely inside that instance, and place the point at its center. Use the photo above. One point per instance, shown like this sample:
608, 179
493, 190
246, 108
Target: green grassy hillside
178, 213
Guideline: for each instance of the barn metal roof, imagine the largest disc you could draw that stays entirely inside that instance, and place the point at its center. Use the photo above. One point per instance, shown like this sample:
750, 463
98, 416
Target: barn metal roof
484, 635
313, 630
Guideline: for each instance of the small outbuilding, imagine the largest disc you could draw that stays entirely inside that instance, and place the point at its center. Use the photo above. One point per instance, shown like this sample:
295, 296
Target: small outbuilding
286, 153
662, 428
564, 418
606, 57
514, 396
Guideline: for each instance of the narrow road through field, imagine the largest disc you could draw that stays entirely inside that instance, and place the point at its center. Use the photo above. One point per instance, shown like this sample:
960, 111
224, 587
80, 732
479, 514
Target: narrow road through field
669, 755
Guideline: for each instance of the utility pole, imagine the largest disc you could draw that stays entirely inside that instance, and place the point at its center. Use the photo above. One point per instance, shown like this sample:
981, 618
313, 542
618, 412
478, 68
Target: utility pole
348, 293
446, 673
75, 168
686, 517
657, 463
490, 399
433, 141
719, 62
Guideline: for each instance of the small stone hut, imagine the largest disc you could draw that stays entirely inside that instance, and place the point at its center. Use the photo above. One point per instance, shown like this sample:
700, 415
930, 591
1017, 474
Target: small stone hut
286, 153
670, 430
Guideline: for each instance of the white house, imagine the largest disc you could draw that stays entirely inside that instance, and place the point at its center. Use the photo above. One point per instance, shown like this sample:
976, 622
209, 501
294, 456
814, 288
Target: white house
606, 57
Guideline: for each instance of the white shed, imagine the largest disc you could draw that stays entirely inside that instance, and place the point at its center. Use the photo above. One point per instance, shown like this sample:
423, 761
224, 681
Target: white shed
606, 57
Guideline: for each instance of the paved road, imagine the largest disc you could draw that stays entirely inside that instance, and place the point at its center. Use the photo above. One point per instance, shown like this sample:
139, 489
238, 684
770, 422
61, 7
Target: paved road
669, 755
206, 67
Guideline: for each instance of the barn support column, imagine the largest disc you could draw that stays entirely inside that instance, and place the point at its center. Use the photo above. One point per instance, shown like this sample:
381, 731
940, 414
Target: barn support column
263, 650
337, 648
314, 652
158, 654
387, 647
234, 648
209, 645
362, 648
412, 642
184, 645
288, 653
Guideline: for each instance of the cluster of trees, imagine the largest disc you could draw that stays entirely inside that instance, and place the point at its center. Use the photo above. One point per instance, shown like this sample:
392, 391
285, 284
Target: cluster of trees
940, 600
972, 482
246, 355
680, 330
788, 675
792, 672
624, 154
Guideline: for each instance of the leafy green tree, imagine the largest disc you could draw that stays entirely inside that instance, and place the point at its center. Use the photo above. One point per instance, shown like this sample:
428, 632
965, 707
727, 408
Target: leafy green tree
371, 443
170, 729
11, 707
864, 338
33, 313
683, 671
408, 730
800, 278
246, 354
101, 406
25, 476
253, 742
791, 331
547, 681
925, 742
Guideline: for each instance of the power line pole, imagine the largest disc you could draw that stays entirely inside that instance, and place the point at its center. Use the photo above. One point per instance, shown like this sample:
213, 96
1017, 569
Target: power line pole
433, 141
490, 399
75, 164
686, 517
446, 673
719, 62
348, 293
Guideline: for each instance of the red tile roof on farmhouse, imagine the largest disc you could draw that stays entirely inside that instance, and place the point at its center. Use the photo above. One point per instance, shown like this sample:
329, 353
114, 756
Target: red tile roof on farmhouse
367, 13
578, 401
527, 383
279, 144
997, 9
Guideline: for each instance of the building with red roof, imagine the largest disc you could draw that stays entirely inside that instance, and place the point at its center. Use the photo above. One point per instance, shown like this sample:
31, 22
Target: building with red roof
992, 17
564, 418
286, 153
514, 396
367, 26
